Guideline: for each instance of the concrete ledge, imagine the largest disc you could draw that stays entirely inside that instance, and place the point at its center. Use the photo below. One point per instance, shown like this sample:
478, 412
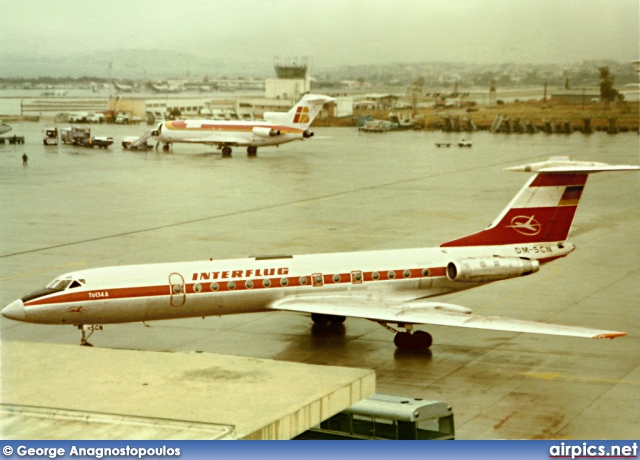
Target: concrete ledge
252, 398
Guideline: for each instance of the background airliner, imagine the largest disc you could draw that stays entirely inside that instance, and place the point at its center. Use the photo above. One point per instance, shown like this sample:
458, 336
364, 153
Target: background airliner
277, 128
389, 287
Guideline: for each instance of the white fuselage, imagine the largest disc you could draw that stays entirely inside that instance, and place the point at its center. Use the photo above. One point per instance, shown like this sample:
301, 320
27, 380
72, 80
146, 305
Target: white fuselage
204, 288
232, 133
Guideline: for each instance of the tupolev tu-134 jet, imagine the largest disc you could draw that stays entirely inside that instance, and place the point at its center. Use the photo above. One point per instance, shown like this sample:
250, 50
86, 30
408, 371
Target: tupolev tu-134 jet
277, 128
389, 287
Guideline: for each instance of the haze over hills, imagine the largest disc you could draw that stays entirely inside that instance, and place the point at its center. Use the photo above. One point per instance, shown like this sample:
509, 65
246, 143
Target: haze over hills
140, 65
128, 64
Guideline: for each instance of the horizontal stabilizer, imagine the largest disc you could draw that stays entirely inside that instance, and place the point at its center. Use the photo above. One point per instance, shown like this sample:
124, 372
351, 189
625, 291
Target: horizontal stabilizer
563, 164
423, 312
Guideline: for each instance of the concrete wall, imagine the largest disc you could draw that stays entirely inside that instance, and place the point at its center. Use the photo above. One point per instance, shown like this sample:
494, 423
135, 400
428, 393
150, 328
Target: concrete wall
343, 107
278, 88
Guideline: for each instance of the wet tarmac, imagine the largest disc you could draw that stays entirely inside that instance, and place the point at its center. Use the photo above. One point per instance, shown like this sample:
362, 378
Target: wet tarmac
343, 190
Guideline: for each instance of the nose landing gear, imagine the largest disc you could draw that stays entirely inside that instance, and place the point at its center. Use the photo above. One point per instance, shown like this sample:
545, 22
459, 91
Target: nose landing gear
91, 328
85, 336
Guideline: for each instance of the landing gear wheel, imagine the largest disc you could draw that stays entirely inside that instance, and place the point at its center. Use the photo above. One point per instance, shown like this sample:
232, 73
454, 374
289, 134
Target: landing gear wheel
422, 340
326, 320
226, 151
165, 147
323, 320
403, 340
252, 151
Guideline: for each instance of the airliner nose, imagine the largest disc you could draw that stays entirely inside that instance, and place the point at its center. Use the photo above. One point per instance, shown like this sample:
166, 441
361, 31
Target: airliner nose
14, 311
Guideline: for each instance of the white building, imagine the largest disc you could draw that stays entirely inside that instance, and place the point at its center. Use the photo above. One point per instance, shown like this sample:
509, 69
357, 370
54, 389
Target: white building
286, 88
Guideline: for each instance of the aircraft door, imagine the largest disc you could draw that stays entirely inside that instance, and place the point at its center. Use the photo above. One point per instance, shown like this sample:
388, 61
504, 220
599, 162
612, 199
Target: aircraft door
177, 289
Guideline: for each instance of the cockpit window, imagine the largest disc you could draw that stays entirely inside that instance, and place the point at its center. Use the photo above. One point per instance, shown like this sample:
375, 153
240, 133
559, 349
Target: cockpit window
59, 285
56, 285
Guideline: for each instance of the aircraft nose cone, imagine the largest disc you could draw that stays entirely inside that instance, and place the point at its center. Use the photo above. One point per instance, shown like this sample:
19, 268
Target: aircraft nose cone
14, 311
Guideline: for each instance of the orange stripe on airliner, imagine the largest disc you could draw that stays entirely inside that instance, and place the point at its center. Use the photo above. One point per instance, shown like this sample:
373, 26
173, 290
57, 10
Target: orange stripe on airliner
239, 285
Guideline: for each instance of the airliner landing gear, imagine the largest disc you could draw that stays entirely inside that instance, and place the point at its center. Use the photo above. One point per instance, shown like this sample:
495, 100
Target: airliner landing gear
419, 340
252, 151
85, 337
226, 151
326, 320
165, 148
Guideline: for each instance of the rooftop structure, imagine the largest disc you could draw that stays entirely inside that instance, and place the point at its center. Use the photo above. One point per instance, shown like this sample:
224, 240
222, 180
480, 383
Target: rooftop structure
78, 392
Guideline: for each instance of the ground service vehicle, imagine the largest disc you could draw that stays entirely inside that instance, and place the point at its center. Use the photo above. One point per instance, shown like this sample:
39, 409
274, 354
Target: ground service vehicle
82, 136
50, 136
388, 417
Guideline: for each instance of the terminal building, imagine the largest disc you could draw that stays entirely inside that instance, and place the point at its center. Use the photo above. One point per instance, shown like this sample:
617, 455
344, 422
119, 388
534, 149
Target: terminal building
280, 95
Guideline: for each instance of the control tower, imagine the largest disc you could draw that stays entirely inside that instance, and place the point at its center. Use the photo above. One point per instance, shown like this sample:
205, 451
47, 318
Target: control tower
293, 70
292, 81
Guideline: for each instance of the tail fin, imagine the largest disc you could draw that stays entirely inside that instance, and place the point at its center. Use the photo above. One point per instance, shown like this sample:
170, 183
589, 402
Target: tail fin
544, 208
302, 114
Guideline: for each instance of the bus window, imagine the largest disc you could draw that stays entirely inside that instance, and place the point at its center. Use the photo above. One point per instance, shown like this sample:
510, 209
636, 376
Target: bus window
441, 428
407, 430
387, 429
339, 422
364, 426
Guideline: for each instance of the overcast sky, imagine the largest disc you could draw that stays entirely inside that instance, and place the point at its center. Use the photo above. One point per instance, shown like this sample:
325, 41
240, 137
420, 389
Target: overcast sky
330, 32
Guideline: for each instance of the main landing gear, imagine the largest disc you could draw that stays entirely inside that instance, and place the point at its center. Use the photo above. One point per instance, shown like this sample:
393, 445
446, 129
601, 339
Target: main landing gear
326, 320
252, 151
418, 340
405, 340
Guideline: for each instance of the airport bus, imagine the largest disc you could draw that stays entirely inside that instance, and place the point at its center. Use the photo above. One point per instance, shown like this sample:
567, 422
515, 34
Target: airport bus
387, 417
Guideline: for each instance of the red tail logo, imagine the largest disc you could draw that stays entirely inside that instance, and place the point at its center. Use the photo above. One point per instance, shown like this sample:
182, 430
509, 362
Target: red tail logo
302, 115
528, 226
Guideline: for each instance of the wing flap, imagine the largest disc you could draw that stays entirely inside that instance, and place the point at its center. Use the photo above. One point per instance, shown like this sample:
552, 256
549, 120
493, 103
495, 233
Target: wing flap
422, 312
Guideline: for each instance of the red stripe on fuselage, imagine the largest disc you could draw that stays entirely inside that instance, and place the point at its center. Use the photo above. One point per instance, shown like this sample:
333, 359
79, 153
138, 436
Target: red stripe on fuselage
223, 286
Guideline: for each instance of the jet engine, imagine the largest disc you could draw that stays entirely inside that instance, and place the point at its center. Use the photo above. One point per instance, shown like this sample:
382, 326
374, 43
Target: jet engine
486, 269
265, 132
307, 134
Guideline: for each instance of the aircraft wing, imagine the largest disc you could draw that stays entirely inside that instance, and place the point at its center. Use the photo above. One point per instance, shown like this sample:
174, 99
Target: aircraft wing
423, 312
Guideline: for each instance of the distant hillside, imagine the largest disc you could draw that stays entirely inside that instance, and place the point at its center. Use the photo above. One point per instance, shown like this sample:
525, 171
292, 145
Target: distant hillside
134, 64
